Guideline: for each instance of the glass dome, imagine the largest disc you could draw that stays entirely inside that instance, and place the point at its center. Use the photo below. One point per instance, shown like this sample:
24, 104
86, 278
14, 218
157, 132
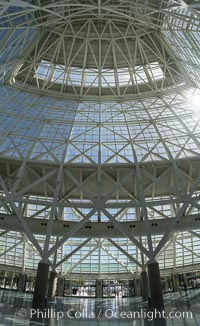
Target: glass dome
100, 133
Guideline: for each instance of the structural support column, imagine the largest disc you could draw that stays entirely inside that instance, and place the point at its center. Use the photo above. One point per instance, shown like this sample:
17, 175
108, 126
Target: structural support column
155, 285
99, 289
175, 282
144, 285
52, 285
21, 283
68, 287
137, 287
41, 283
185, 280
166, 284
131, 288
61, 287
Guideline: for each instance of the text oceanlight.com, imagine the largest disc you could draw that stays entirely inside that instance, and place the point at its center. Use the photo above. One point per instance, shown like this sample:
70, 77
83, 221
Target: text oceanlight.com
106, 314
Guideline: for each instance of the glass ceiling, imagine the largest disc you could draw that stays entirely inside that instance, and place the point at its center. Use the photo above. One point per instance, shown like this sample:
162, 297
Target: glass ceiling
93, 77
109, 55
45, 128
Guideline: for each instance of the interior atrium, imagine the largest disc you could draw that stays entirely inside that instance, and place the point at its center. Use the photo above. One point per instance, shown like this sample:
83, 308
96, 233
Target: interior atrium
99, 149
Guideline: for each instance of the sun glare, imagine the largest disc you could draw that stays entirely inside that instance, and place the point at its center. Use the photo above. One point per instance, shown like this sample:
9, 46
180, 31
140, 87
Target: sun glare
195, 100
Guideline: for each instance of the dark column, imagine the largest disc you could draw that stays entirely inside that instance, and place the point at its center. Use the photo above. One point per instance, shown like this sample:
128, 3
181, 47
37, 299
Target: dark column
41, 283
52, 285
144, 285
99, 289
68, 287
61, 287
137, 287
21, 283
131, 288
166, 284
175, 282
155, 286
185, 279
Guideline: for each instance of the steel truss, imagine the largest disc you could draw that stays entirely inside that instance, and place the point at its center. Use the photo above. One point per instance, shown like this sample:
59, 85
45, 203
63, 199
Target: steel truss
109, 208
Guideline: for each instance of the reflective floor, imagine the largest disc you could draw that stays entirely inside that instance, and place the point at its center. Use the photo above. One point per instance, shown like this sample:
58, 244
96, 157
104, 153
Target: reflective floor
15, 309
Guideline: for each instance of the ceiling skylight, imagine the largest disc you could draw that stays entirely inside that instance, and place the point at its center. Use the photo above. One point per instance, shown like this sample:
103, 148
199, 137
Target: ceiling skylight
56, 73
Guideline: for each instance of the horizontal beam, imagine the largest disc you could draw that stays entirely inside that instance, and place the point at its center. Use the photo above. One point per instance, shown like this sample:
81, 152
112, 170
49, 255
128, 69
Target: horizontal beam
99, 229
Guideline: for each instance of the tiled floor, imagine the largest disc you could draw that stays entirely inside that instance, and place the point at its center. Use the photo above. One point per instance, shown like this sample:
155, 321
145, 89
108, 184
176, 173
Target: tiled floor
15, 310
